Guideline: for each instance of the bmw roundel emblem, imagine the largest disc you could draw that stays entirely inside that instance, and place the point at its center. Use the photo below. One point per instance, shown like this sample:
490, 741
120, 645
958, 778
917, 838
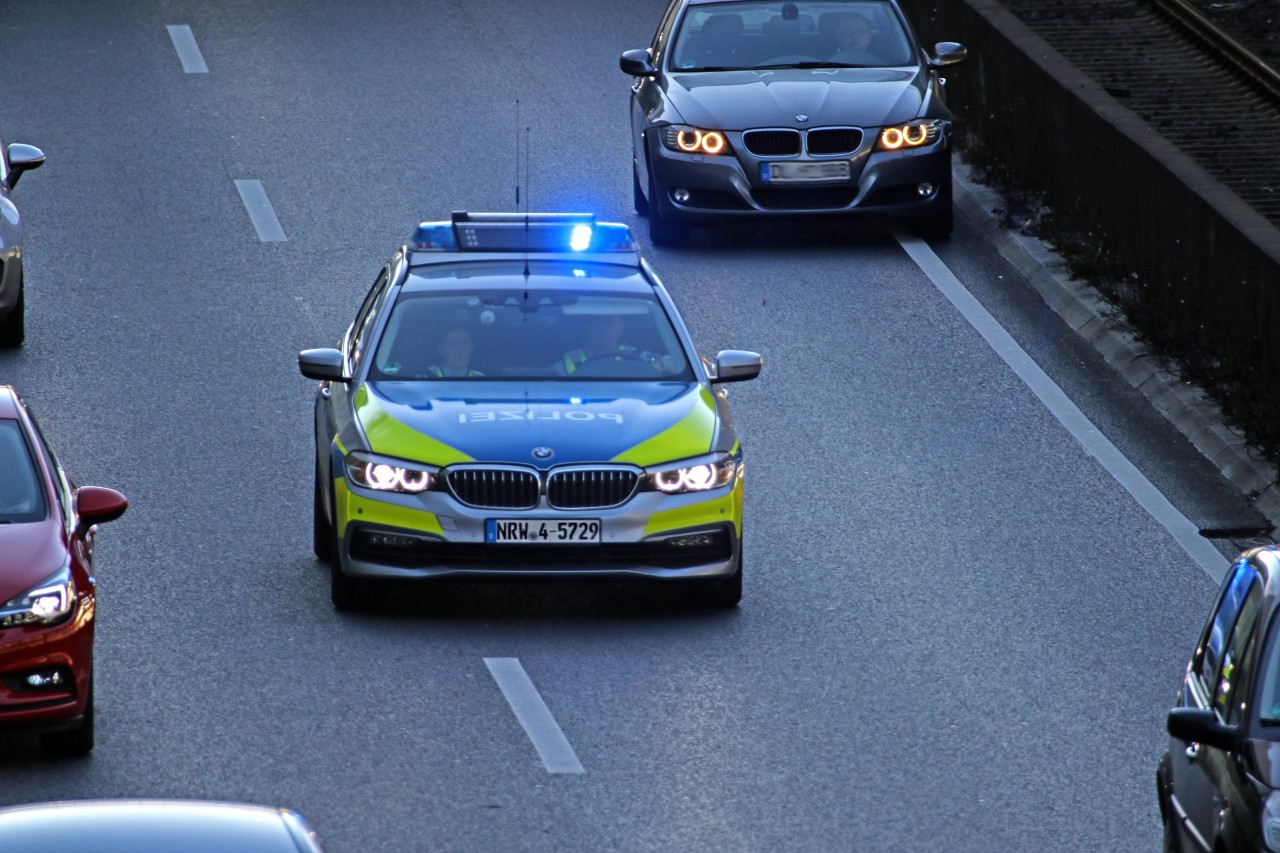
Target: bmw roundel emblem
802, 118
543, 453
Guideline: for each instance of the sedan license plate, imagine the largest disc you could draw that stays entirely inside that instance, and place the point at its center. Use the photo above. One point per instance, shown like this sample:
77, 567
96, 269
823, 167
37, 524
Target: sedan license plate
533, 531
791, 173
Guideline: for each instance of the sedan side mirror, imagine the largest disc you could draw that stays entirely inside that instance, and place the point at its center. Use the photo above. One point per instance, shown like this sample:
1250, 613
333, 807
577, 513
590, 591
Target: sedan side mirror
23, 158
322, 364
637, 63
96, 505
1200, 725
737, 365
948, 53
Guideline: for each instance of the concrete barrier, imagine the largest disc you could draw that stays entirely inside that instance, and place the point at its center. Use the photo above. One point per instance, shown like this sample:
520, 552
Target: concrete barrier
1205, 267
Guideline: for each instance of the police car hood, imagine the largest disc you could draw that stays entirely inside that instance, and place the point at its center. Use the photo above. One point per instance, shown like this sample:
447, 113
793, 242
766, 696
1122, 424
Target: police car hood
441, 423
738, 100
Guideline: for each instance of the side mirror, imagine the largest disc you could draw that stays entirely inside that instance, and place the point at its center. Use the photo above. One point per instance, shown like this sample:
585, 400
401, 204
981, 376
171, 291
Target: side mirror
737, 366
23, 158
1200, 725
948, 53
322, 364
637, 63
95, 505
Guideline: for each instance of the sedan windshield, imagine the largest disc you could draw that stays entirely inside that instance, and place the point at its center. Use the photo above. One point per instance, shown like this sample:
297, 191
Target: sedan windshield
819, 34
539, 333
21, 497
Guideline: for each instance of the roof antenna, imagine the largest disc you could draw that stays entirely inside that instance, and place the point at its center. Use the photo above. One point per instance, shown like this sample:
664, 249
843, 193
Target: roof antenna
517, 155
526, 203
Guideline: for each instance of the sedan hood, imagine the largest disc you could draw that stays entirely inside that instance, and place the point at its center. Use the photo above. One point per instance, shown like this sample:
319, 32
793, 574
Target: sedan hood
738, 100
444, 423
29, 553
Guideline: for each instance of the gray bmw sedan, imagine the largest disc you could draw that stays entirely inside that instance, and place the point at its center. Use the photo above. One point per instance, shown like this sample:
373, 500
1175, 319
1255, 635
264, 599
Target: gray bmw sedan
749, 108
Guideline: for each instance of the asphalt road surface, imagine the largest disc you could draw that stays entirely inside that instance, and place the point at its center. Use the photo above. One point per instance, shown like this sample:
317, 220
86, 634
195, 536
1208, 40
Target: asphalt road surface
959, 630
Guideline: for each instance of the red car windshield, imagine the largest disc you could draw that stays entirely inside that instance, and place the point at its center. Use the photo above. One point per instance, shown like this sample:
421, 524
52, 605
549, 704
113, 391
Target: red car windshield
21, 496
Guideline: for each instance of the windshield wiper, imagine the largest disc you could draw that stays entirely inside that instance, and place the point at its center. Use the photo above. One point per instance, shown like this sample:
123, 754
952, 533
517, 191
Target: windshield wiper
808, 63
714, 68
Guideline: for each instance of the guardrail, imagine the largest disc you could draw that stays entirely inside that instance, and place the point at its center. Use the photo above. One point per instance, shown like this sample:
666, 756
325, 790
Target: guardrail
1202, 268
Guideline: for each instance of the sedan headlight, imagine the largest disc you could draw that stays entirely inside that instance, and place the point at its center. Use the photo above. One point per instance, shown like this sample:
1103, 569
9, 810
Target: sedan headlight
1271, 822
908, 136
709, 473
386, 475
692, 140
46, 603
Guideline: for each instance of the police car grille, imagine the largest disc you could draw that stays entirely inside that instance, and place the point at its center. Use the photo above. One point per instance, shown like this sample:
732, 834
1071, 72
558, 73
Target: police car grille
591, 488
834, 140
496, 488
772, 143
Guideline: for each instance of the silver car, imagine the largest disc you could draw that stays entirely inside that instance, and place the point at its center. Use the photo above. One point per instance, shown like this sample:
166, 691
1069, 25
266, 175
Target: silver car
14, 160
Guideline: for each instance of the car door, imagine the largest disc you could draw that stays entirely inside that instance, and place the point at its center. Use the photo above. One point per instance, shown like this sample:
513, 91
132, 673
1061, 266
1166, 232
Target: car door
646, 97
1236, 803
1195, 792
334, 414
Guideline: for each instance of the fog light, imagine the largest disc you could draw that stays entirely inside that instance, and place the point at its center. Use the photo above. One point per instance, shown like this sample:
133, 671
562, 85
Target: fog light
45, 680
390, 540
924, 190
681, 195
698, 540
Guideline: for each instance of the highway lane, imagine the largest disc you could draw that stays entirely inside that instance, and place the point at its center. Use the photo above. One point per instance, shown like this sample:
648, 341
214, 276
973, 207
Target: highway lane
958, 629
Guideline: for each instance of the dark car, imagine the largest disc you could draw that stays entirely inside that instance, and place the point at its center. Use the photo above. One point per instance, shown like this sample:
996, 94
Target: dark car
14, 160
1219, 781
47, 528
154, 826
749, 108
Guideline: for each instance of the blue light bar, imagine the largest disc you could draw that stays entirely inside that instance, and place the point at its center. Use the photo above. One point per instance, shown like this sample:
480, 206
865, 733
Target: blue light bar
559, 233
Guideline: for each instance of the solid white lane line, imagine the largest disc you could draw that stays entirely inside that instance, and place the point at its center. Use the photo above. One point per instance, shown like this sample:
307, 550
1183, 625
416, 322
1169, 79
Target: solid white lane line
184, 41
534, 715
1068, 414
260, 211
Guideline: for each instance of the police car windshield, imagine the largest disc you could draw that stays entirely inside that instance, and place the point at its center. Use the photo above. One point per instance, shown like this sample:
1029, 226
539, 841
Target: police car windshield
21, 497
540, 333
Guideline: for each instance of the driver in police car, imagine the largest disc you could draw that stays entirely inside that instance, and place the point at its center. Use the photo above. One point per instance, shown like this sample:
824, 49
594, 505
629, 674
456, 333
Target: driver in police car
455, 350
603, 341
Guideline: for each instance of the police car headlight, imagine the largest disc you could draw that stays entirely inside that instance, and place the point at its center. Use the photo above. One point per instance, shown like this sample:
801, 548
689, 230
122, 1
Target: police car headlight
388, 475
693, 140
711, 473
46, 603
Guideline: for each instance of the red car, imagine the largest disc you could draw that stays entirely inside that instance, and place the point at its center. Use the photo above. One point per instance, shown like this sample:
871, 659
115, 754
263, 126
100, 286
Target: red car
47, 527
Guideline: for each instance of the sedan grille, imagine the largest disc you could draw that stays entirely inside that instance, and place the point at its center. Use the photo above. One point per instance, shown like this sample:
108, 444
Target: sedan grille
591, 488
772, 143
496, 488
834, 140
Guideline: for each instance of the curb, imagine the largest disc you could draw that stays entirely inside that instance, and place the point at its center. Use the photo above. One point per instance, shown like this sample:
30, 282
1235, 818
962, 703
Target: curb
1184, 404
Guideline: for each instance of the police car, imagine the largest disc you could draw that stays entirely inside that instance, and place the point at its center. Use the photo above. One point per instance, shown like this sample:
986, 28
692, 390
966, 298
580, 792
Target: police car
518, 397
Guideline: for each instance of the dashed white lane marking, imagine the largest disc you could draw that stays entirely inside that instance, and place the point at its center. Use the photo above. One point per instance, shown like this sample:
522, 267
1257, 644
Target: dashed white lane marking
184, 41
260, 211
534, 715
1068, 414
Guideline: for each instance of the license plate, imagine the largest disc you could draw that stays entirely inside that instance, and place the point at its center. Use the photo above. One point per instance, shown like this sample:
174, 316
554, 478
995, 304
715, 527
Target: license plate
787, 173
532, 531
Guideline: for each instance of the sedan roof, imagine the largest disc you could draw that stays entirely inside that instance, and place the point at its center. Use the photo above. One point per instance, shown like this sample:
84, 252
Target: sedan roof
153, 826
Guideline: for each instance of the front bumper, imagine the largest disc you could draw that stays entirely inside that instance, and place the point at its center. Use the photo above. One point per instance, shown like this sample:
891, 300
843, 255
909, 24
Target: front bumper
396, 536
882, 184
66, 649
